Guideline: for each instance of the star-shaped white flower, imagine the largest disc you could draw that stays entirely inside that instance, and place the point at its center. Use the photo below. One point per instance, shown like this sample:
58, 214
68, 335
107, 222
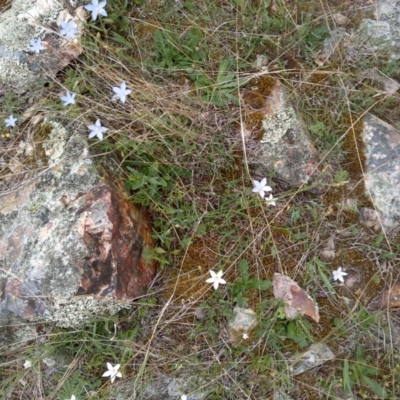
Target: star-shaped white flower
184, 397
36, 45
339, 274
216, 279
68, 29
10, 121
113, 372
97, 8
121, 91
270, 200
261, 187
27, 364
72, 397
245, 336
97, 130
68, 99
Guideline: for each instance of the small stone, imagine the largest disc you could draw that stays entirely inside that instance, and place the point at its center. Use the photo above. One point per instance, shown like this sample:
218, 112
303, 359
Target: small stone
297, 301
317, 354
370, 218
328, 251
279, 394
244, 320
352, 278
340, 19
283, 146
200, 313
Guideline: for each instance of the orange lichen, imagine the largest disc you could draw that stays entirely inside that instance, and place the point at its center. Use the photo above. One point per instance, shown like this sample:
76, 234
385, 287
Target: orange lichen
254, 124
318, 77
355, 163
263, 84
38, 155
253, 99
188, 283
145, 31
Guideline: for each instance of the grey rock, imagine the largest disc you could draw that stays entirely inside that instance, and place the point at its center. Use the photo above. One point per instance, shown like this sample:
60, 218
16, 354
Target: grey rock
379, 35
279, 394
316, 355
181, 386
370, 218
163, 387
338, 36
383, 32
382, 179
32, 19
200, 313
284, 148
244, 320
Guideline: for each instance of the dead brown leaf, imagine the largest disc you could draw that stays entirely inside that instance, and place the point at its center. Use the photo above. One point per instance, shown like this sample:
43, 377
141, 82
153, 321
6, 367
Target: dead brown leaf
388, 299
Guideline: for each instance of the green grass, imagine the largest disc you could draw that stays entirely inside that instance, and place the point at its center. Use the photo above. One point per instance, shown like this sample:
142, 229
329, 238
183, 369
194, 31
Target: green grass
176, 145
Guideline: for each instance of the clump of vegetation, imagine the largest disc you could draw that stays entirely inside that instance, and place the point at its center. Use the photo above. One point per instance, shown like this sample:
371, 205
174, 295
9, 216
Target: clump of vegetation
192, 71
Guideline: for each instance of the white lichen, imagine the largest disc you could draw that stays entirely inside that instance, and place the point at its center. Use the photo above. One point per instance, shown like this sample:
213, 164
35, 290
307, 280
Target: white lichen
54, 145
276, 125
14, 33
40, 12
13, 72
68, 313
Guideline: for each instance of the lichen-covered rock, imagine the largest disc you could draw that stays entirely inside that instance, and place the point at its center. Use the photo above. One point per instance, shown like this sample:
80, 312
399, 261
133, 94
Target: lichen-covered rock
33, 19
382, 149
71, 243
383, 31
379, 34
283, 147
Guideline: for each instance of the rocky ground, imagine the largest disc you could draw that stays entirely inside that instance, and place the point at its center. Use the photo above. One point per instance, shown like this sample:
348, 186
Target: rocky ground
231, 167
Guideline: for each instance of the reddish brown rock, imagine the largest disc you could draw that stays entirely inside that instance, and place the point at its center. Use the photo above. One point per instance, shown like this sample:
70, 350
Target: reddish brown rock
297, 301
116, 230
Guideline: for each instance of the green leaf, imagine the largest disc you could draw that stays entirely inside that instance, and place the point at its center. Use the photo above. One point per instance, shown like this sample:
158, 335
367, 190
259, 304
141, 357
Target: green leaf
378, 239
318, 127
265, 284
159, 250
244, 269
326, 281
118, 38
347, 385
374, 386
